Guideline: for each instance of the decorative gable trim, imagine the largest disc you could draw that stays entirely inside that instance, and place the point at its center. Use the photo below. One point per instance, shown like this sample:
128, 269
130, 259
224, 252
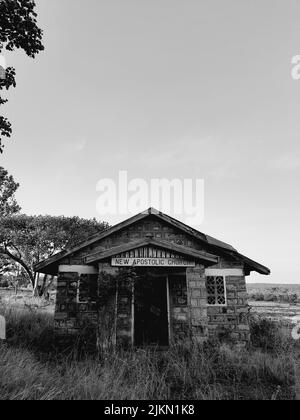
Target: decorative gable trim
180, 250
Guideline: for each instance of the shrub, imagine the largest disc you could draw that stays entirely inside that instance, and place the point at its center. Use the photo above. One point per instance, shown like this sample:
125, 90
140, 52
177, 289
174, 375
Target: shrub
4, 283
29, 328
269, 335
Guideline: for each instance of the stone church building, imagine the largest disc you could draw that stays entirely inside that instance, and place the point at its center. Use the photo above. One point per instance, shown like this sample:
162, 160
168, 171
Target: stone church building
152, 281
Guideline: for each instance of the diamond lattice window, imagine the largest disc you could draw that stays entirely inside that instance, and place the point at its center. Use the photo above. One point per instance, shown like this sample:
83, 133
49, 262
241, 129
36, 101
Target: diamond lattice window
215, 286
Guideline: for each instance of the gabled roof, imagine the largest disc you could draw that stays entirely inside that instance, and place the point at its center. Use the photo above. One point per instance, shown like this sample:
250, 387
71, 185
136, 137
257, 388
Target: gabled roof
212, 242
206, 258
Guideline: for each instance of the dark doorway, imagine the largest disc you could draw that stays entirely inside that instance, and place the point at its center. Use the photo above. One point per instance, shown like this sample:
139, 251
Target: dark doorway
150, 309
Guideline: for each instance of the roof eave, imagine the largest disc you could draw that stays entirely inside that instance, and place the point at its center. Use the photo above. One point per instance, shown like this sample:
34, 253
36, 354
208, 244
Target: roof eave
252, 265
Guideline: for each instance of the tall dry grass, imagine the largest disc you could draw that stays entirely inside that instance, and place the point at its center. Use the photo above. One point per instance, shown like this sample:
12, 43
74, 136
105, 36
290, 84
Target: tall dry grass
31, 367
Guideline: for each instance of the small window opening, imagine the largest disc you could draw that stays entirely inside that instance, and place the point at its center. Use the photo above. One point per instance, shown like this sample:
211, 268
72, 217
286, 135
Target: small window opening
216, 291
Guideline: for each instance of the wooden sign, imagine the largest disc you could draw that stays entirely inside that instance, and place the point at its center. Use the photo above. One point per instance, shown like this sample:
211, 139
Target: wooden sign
151, 262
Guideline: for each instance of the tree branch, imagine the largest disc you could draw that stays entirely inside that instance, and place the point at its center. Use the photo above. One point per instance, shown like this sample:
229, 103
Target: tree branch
5, 251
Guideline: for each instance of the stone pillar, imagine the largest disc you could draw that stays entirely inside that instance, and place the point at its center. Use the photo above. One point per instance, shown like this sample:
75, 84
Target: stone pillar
197, 302
107, 312
125, 312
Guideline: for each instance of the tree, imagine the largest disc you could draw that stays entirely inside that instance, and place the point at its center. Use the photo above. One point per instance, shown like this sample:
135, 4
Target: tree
8, 187
27, 240
18, 30
8, 206
5, 265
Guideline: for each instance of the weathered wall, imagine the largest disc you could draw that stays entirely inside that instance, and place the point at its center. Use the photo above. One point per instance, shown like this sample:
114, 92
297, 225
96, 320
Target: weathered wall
107, 290
190, 316
197, 303
73, 312
111, 312
230, 323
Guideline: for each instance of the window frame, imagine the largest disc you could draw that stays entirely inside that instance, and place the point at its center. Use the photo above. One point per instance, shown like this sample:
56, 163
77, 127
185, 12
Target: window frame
225, 291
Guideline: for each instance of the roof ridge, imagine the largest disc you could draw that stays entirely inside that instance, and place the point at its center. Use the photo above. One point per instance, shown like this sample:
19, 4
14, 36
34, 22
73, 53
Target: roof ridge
213, 242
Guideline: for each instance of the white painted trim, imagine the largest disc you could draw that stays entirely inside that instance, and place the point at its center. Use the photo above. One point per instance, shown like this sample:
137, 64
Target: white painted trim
224, 272
80, 269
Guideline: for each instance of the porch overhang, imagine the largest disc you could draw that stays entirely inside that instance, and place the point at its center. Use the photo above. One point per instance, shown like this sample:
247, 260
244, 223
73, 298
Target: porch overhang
180, 250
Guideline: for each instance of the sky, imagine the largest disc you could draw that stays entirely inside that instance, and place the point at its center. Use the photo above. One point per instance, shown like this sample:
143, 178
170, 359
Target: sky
193, 89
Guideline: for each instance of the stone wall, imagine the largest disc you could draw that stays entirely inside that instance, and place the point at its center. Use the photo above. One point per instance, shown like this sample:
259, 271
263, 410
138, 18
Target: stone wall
112, 311
111, 315
75, 311
230, 323
107, 301
66, 304
197, 303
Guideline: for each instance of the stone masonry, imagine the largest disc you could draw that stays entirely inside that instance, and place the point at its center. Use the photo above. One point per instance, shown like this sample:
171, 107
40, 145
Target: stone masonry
102, 296
230, 323
197, 303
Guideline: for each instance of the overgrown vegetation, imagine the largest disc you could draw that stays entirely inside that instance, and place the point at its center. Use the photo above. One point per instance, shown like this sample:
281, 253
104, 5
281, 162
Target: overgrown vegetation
280, 294
33, 368
270, 335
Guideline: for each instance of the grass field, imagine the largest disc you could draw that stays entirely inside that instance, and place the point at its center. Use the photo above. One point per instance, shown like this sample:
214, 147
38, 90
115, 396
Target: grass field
32, 367
272, 301
24, 300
